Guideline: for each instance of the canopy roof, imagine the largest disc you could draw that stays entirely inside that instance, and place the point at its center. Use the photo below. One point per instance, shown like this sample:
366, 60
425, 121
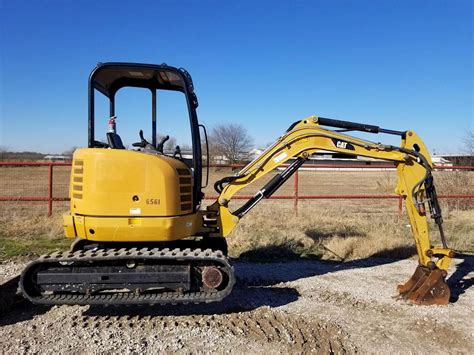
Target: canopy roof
108, 78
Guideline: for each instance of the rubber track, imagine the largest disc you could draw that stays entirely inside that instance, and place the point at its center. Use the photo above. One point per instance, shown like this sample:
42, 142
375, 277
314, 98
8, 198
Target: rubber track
129, 298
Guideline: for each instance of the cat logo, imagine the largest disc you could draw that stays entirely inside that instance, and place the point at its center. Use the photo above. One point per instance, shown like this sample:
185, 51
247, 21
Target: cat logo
342, 144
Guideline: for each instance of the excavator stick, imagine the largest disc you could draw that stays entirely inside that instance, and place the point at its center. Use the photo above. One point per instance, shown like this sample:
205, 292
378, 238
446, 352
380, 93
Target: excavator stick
426, 287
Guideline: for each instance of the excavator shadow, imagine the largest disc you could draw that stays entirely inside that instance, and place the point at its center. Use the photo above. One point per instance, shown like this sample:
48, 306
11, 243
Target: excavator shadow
13, 307
242, 299
295, 267
254, 280
252, 289
463, 277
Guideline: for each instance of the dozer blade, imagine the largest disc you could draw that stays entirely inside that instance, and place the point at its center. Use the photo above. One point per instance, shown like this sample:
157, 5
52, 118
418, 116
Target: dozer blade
426, 287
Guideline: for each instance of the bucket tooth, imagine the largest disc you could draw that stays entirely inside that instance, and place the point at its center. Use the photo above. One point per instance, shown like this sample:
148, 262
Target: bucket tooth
418, 276
426, 287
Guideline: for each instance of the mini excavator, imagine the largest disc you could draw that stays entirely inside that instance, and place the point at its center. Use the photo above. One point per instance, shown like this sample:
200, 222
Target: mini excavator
142, 235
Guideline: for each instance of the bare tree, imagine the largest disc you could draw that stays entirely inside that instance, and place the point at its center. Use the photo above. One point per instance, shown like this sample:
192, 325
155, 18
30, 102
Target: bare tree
231, 141
468, 142
185, 147
468, 146
3, 151
69, 152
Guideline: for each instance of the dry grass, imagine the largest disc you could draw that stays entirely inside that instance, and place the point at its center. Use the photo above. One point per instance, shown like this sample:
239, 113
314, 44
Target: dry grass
341, 229
336, 230
25, 229
456, 182
332, 232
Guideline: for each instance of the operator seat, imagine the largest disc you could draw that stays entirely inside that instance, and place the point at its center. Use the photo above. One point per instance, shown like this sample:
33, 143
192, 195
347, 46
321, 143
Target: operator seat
115, 142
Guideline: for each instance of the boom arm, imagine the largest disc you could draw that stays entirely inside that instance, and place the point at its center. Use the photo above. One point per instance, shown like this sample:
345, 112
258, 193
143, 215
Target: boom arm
306, 137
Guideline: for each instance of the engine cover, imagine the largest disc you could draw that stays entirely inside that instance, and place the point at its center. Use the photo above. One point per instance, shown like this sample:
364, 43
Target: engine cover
122, 195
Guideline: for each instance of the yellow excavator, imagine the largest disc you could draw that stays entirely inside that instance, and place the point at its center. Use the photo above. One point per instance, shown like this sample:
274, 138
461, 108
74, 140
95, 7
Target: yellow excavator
142, 235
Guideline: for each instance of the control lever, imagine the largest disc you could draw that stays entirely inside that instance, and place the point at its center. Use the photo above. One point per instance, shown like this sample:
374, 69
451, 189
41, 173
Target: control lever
177, 153
161, 145
98, 144
143, 142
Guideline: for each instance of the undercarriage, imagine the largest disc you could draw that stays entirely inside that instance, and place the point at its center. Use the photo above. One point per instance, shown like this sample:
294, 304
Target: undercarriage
129, 276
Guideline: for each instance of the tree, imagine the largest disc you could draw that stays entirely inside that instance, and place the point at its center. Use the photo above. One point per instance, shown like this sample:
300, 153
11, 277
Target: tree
69, 152
231, 141
3, 151
468, 146
468, 142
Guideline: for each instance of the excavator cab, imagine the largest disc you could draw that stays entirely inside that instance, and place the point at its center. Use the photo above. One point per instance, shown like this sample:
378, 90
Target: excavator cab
108, 79
146, 193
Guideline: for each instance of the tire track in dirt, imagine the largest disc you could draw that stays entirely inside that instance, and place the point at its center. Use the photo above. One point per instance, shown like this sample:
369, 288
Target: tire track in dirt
264, 325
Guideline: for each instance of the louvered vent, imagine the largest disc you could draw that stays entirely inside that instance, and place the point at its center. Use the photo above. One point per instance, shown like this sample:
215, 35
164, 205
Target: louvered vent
185, 190
77, 179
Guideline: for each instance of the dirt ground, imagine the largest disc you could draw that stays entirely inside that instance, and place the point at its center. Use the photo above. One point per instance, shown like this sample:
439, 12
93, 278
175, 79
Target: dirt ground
297, 306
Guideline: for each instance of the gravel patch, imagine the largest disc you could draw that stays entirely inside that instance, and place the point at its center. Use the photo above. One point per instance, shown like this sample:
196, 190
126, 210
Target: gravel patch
298, 306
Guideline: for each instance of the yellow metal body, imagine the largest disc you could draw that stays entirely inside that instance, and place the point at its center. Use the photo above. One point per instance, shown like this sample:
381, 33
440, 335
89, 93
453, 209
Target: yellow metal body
122, 195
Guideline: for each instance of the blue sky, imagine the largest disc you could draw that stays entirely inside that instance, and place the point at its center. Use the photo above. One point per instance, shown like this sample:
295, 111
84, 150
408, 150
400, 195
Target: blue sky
264, 64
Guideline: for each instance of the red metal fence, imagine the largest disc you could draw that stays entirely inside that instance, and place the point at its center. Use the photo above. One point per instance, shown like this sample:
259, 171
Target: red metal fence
49, 198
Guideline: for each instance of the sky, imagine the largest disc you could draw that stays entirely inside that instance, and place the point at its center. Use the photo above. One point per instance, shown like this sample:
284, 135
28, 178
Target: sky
263, 64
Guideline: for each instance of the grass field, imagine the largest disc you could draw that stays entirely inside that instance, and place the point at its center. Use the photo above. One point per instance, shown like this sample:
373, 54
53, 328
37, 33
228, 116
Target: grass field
330, 229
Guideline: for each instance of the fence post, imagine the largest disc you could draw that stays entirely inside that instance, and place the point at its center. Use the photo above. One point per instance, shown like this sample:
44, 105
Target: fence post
50, 190
295, 207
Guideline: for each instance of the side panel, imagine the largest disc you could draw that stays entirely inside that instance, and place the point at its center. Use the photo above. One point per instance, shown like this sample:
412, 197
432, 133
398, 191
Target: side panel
137, 229
132, 229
